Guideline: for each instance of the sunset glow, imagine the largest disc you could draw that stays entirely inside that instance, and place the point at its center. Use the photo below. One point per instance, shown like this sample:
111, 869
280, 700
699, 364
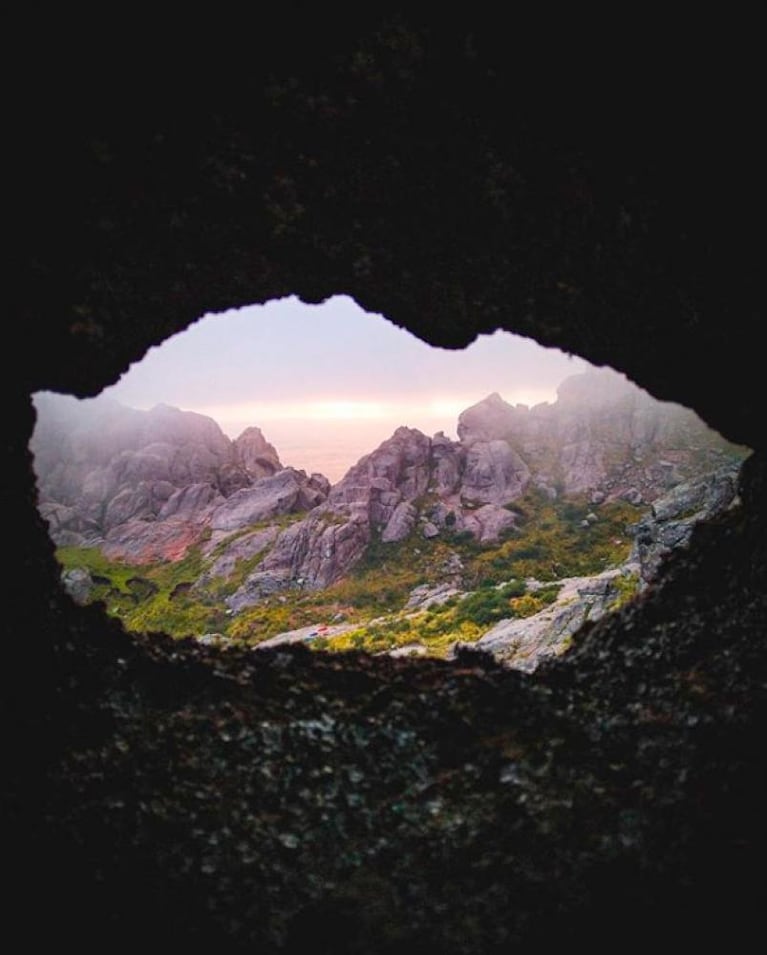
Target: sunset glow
328, 383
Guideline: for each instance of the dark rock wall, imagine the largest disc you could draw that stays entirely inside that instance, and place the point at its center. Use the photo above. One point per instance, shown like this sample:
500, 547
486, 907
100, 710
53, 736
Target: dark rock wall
158, 794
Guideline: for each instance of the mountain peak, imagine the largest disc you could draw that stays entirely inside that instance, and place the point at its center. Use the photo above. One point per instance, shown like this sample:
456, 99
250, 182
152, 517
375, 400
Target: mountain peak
403, 431
257, 455
596, 386
488, 419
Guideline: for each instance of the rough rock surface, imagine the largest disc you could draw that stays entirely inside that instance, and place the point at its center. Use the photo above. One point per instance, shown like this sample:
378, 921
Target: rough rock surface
602, 437
147, 485
285, 492
400, 524
494, 473
258, 457
78, 583
423, 597
172, 796
672, 518
524, 643
243, 547
311, 554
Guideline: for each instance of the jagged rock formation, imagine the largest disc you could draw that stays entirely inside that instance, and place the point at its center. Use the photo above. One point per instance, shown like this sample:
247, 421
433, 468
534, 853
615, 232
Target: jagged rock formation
604, 437
523, 644
285, 492
668, 526
165, 479
147, 485
100, 465
672, 518
173, 795
258, 457
312, 553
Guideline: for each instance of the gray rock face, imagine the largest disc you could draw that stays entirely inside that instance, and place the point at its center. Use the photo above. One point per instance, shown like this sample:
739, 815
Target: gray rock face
488, 523
144, 542
398, 470
310, 554
409, 650
448, 461
69, 527
400, 524
112, 465
523, 643
672, 518
149, 485
494, 473
492, 419
423, 597
256, 588
189, 502
145, 485
603, 436
243, 547
78, 583
285, 492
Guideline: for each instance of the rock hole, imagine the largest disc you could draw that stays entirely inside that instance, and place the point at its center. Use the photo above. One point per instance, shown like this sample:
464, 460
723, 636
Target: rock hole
312, 474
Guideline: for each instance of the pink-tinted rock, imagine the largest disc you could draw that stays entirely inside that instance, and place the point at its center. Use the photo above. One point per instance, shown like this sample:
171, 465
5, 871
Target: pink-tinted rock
257, 456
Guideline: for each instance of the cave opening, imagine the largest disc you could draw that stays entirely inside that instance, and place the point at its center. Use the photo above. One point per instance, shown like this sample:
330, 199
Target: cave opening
291, 474
166, 794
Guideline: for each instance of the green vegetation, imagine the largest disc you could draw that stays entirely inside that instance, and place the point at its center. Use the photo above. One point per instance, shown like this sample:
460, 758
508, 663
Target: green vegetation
149, 597
437, 628
555, 539
552, 539
628, 588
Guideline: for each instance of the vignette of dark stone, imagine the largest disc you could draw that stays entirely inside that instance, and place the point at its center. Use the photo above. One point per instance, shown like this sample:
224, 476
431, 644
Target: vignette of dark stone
160, 793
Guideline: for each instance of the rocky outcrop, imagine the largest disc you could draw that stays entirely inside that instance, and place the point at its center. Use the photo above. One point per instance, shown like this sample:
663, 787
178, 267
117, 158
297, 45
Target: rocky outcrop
524, 643
256, 455
144, 542
494, 473
425, 596
78, 583
156, 791
410, 483
188, 503
487, 523
603, 436
401, 523
310, 554
672, 518
377, 496
165, 480
147, 485
111, 465
243, 547
285, 492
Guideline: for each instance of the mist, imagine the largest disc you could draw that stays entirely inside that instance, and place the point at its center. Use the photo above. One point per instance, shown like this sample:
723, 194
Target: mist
327, 383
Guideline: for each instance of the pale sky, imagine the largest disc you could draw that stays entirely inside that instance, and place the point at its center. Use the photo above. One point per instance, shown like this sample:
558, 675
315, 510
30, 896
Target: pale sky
327, 383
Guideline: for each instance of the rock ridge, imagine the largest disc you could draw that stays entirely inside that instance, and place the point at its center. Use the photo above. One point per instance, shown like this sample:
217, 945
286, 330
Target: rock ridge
148, 485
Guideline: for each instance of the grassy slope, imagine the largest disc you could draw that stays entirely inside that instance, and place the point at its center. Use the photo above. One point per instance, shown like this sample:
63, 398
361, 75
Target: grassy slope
551, 542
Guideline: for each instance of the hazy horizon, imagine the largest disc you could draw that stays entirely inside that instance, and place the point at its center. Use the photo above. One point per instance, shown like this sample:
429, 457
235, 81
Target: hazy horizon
327, 383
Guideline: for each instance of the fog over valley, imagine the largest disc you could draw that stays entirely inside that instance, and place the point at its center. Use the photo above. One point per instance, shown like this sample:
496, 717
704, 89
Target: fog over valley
327, 383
